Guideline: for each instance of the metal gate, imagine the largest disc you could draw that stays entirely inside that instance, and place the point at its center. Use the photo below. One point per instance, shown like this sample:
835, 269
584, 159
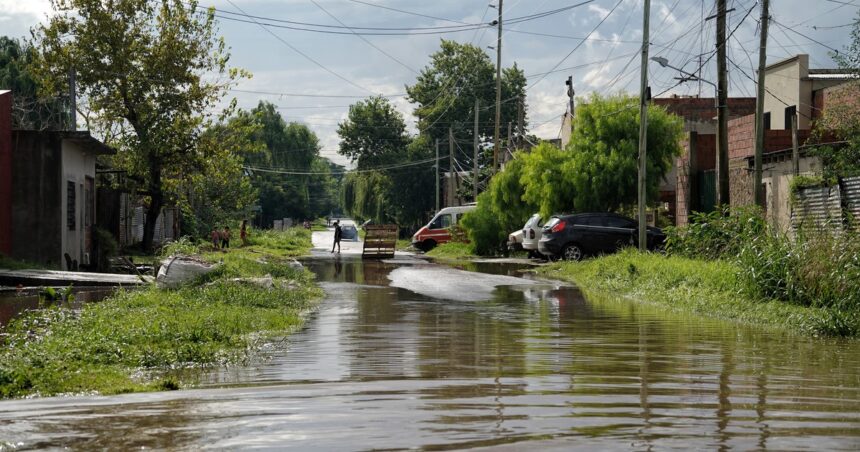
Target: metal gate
707, 191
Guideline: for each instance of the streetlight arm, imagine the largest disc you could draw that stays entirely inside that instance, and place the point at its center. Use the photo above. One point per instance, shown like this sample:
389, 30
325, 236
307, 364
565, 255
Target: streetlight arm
692, 77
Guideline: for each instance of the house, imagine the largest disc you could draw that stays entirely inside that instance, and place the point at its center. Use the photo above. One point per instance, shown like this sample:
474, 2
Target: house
792, 89
48, 200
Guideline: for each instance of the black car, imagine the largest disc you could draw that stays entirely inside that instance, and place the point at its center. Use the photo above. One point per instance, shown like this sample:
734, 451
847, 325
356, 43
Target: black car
573, 236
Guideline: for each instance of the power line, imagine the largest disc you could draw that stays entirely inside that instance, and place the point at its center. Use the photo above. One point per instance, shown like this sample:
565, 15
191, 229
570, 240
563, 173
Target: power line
365, 170
308, 57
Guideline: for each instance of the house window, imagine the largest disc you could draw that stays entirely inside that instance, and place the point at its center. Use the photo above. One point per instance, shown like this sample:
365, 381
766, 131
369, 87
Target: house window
789, 113
70, 205
767, 121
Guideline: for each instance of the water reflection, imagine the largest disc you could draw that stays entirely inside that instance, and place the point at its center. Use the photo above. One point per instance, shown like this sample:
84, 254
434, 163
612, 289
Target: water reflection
15, 302
533, 365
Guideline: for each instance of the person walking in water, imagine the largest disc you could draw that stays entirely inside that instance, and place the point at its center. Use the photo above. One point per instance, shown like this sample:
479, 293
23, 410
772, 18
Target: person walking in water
337, 234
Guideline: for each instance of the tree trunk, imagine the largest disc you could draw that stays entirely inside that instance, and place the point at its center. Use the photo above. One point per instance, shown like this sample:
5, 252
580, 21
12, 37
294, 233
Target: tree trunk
156, 202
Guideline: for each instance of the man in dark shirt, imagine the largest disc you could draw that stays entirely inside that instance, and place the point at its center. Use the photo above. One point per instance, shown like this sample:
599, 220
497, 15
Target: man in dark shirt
337, 234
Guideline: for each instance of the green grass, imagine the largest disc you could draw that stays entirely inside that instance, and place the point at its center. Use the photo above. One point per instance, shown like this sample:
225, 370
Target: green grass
709, 288
452, 250
139, 340
7, 263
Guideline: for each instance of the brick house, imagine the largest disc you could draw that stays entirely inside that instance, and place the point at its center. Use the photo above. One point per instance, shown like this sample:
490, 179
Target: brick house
690, 186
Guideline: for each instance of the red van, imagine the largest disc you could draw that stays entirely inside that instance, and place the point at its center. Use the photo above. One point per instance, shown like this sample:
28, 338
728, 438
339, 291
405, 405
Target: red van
436, 231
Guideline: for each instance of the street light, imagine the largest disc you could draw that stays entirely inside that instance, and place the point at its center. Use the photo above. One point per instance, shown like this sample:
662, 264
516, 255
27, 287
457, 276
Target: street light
689, 77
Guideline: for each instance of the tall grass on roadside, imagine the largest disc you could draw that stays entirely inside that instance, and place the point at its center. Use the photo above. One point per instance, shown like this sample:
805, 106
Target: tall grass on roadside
716, 235
818, 268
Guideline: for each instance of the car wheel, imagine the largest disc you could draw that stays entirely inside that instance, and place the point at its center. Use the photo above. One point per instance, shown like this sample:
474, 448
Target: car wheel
572, 252
428, 245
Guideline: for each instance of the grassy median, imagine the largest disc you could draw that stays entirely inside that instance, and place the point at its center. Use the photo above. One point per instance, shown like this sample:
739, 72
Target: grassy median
136, 340
711, 288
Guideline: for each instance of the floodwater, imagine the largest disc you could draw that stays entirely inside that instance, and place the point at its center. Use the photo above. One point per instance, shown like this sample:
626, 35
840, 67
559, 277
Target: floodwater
404, 354
14, 302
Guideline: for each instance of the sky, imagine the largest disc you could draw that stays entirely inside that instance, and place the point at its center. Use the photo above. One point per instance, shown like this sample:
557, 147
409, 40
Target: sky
286, 62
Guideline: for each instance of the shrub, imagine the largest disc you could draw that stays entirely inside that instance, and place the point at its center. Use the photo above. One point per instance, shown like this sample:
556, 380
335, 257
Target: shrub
717, 234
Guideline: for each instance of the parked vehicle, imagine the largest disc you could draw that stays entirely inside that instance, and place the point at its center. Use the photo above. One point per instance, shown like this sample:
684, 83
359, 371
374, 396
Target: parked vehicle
572, 237
436, 231
348, 231
515, 241
532, 232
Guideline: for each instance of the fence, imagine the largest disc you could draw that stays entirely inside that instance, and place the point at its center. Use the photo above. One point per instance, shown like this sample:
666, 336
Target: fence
827, 207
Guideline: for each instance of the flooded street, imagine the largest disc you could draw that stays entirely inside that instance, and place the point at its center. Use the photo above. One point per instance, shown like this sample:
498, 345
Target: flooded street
405, 354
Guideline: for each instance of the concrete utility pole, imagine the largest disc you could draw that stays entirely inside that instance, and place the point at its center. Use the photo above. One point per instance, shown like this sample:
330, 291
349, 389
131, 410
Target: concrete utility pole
759, 105
437, 174
451, 180
498, 91
722, 108
643, 127
475, 145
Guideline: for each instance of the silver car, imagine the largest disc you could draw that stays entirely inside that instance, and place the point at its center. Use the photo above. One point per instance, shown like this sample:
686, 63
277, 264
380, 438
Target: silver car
532, 233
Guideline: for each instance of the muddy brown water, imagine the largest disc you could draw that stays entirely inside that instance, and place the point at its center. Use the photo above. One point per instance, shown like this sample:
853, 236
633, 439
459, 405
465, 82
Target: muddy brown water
529, 365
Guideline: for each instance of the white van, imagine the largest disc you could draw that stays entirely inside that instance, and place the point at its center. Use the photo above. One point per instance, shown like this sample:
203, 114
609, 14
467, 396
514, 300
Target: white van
436, 231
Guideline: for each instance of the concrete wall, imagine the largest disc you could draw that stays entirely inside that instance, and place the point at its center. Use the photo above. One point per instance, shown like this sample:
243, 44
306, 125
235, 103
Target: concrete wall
777, 181
77, 165
787, 83
36, 208
6, 172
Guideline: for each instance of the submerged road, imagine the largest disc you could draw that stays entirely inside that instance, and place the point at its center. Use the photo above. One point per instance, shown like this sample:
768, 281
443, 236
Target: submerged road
406, 354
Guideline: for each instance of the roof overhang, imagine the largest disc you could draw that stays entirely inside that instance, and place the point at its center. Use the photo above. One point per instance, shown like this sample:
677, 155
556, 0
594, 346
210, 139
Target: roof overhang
88, 142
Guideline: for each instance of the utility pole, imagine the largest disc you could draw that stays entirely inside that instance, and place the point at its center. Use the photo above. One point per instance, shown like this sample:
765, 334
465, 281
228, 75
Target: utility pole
451, 181
437, 174
795, 147
521, 119
643, 126
475, 145
759, 105
722, 109
570, 93
73, 100
510, 143
498, 91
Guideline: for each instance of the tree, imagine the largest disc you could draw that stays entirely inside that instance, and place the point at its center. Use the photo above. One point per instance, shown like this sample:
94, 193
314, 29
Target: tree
221, 193
445, 92
373, 134
292, 179
143, 67
29, 111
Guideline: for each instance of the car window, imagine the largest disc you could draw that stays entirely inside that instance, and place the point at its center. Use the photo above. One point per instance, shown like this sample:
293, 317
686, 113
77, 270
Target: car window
441, 222
619, 222
592, 221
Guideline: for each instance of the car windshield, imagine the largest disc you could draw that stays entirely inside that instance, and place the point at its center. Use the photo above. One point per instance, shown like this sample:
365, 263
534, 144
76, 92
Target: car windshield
534, 221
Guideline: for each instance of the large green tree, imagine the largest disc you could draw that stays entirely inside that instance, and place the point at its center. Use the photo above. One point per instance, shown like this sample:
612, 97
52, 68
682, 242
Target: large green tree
598, 171
446, 90
150, 71
373, 133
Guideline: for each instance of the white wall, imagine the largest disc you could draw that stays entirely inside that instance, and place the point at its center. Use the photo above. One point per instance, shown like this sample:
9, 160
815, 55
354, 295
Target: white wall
788, 82
76, 166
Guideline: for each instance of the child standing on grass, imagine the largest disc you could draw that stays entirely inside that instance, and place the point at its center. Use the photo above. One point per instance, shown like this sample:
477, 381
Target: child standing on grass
225, 237
215, 236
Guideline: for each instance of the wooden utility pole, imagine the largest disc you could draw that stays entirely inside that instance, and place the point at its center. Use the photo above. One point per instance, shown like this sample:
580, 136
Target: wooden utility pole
73, 100
521, 119
759, 106
795, 146
451, 181
722, 109
437, 174
570, 94
643, 126
475, 145
498, 91
510, 143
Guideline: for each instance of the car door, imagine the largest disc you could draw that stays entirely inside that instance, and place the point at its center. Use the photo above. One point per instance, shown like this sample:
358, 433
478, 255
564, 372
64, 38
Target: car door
591, 233
620, 231
438, 229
